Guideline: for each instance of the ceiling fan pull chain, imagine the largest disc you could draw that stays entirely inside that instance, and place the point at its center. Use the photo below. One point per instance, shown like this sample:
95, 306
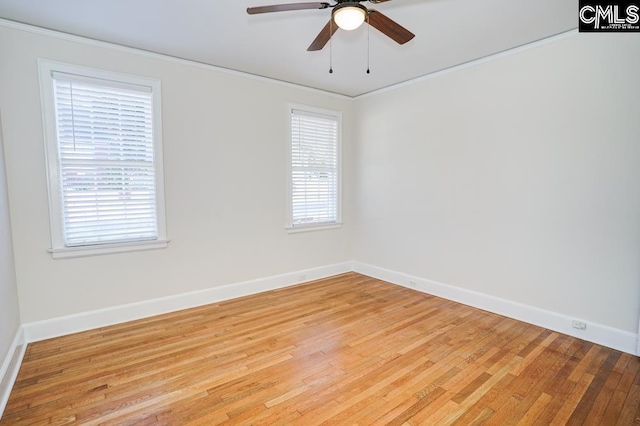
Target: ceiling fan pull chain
368, 55
330, 46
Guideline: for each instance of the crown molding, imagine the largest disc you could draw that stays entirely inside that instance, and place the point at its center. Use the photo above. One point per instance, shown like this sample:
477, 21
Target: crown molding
159, 56
190, 63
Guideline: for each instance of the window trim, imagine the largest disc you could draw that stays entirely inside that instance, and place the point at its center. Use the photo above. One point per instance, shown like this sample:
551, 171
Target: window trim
290, 227
46, 69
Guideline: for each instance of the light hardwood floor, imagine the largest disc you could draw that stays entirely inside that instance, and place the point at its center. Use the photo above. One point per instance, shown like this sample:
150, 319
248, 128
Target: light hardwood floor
344, 350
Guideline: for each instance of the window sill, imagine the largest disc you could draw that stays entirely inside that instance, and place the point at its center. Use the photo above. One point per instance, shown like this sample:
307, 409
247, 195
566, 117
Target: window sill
310, 228
95, 250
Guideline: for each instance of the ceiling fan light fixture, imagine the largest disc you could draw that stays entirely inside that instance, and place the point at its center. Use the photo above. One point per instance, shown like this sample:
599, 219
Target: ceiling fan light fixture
349, 16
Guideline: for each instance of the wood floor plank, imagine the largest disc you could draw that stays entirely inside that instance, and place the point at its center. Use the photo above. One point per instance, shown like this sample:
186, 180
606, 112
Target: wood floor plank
345, 350
596, 388
536, 409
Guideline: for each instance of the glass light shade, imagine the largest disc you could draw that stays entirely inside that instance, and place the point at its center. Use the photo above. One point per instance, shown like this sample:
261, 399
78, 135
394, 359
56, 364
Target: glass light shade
349, 17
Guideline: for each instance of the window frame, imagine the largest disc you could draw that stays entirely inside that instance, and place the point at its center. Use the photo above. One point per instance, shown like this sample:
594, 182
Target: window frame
59, 249
290, 226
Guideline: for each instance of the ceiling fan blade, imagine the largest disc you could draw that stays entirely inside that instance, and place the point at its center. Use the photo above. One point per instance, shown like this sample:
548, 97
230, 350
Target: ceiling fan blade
324, 36
285, 7
389, 27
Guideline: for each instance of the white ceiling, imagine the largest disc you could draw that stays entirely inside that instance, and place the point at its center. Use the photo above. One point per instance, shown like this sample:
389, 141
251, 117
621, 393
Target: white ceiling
274, 45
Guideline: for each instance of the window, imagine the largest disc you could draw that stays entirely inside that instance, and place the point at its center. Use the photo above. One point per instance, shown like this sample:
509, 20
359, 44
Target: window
104, 160
314, 180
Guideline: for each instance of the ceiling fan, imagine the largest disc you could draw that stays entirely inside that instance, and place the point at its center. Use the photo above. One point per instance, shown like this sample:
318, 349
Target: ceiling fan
346, 14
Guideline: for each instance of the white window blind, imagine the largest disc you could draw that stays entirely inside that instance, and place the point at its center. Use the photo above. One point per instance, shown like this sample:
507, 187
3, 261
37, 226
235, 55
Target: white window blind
106, 165
314, 168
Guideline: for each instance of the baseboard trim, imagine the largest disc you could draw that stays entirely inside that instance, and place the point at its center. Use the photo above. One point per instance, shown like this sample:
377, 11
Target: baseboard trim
10, 367
60, 326
596, 333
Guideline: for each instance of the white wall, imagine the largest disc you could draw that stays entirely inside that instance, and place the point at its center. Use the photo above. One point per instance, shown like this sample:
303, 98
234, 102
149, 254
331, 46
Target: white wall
9, 313
225, 138
518, 178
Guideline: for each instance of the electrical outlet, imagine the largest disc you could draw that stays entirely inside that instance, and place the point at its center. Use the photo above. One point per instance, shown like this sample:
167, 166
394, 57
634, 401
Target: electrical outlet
579, 325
